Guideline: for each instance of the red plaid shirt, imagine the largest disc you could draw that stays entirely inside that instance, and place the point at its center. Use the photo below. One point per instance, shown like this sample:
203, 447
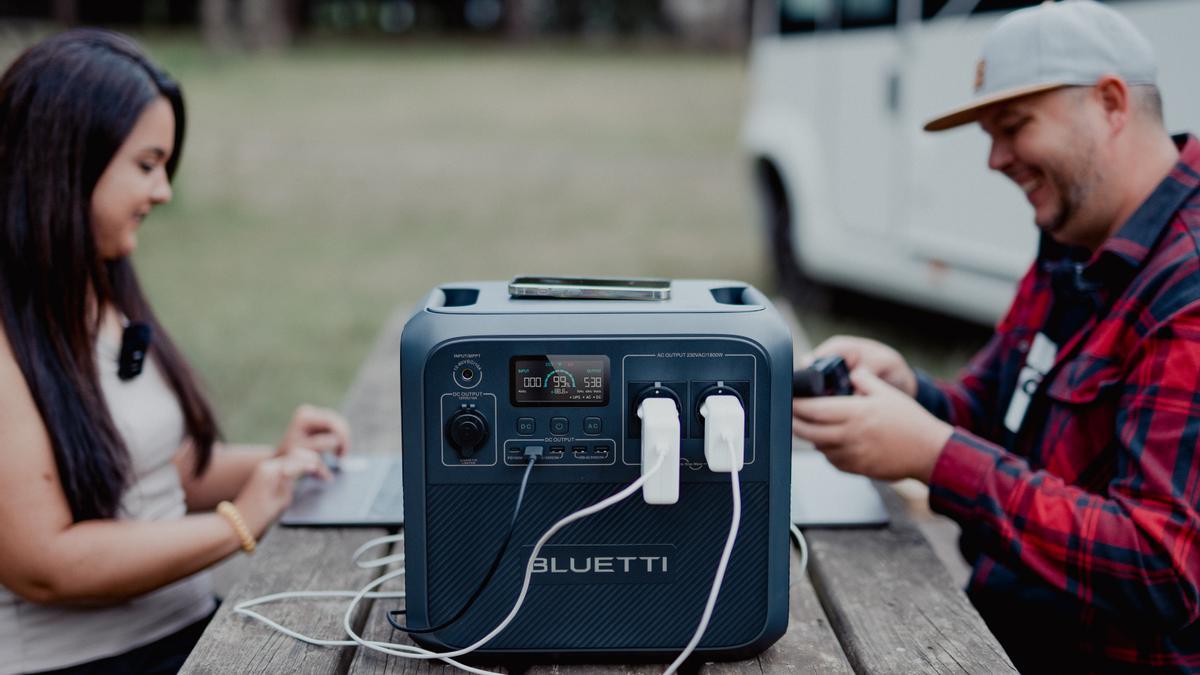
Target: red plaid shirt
1083, 526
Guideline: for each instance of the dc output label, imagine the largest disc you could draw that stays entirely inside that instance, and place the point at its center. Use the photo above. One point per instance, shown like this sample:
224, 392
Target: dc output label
467, 374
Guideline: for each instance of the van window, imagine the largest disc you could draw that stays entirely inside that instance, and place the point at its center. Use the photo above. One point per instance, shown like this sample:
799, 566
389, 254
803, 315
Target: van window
868, 13
930, 8
804, 16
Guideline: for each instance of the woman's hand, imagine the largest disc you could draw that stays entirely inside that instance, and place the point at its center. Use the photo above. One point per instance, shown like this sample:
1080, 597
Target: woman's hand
875, 357
317, 429
269, 490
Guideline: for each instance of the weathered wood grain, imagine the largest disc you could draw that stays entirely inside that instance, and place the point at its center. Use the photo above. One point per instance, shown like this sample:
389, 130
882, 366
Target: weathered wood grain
893, 604
288, 559
810, 646
372, 404
872, 601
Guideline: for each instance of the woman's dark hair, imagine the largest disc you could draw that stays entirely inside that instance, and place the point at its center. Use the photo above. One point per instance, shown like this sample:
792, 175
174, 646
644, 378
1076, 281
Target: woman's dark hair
66, 106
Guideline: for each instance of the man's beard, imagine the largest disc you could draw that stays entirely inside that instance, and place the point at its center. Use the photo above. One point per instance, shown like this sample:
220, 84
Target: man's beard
1073, 188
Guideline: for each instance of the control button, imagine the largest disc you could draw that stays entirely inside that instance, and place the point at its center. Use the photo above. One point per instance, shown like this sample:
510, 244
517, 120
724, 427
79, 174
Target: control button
526, 426
559, 426
591, 425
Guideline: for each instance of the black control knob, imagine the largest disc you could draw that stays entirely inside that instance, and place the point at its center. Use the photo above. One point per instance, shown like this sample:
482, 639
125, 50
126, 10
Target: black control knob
466, 430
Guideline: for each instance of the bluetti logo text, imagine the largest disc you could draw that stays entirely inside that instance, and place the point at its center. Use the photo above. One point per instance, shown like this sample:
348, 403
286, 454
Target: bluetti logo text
588, 564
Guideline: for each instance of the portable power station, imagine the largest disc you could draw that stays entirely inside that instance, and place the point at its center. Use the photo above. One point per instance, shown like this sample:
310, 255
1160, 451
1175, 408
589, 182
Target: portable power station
486, 378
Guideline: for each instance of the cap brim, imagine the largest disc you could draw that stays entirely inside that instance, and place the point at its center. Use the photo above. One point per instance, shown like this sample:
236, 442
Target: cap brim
970, 112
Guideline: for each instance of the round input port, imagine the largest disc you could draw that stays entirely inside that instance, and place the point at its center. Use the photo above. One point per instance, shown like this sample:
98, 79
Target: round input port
467, 374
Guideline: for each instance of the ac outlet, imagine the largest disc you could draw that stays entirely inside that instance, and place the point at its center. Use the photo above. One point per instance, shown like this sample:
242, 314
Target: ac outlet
636, 391
702, 389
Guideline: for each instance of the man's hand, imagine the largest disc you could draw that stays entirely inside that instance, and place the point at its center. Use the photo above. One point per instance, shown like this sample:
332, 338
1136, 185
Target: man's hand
879, 432
876, 357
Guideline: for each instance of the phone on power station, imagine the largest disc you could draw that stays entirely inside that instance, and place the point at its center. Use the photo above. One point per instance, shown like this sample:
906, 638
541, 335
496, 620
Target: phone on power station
593, 288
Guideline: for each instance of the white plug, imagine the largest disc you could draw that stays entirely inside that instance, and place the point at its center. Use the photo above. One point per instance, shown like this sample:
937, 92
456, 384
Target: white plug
660, 436
724, 425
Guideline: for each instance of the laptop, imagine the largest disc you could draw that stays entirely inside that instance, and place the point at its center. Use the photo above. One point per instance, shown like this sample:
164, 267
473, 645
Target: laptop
823, 496
366, 491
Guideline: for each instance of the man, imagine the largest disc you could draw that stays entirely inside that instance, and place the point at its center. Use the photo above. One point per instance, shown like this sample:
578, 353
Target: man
1067, 450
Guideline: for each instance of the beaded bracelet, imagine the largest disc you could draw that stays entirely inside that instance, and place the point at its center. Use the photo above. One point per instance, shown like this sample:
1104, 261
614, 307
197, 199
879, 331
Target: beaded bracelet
231, 513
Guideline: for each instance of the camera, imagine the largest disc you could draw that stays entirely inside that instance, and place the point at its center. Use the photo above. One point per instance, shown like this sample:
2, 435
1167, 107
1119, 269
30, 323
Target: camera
827, 376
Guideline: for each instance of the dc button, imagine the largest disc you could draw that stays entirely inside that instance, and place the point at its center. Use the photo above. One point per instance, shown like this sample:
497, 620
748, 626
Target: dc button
526, 426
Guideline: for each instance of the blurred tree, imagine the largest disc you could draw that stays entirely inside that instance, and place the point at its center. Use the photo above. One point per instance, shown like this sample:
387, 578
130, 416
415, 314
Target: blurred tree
252, 24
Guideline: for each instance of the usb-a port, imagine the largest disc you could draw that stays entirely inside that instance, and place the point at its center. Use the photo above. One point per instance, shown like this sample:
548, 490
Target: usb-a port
557, 449
579, 449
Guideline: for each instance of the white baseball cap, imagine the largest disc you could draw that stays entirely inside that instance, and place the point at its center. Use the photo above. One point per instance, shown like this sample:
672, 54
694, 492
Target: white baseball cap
1053, 45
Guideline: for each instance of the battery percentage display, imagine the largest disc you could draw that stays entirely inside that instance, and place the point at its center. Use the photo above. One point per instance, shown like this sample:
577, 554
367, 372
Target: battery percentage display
559, 380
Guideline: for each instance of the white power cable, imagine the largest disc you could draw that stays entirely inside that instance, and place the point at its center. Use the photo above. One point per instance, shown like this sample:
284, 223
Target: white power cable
718, 578
243, 608
414, 652
800, 541
378, 562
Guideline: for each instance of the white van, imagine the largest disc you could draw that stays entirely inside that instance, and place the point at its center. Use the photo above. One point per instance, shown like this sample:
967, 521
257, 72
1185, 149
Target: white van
855, 194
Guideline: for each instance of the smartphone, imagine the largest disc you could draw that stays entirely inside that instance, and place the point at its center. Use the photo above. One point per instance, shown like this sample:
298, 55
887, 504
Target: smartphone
593, 288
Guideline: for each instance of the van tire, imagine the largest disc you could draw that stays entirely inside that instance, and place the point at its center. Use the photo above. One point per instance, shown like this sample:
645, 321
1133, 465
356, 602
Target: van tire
789, 278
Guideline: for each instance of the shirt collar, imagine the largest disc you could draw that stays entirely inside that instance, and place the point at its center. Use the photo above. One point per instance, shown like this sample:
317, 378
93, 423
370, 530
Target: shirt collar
1122, 254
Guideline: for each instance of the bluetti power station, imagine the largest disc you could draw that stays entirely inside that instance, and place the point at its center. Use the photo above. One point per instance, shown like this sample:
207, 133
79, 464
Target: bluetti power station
579, 387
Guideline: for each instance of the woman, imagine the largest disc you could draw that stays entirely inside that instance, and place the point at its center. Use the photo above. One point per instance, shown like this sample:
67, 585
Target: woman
108, 480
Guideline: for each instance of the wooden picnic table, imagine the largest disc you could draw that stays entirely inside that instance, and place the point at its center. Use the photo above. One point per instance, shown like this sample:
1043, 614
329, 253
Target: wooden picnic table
871, 600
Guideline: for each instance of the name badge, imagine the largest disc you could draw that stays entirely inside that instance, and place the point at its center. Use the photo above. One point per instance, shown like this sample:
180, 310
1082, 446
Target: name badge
1037, 363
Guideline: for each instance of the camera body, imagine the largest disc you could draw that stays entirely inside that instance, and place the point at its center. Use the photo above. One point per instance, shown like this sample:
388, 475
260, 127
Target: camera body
827, 376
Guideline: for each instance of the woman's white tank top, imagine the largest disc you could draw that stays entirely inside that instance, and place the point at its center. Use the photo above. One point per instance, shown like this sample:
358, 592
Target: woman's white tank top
41, 637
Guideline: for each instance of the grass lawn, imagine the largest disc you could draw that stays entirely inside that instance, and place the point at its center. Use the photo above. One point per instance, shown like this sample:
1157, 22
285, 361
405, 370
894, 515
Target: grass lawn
322, 188
325, 187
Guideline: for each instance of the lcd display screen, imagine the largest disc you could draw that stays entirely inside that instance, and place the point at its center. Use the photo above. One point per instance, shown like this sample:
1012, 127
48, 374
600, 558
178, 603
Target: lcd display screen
551, 380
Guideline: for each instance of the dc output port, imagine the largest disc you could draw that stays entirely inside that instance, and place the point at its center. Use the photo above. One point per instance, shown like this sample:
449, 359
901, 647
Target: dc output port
467, 431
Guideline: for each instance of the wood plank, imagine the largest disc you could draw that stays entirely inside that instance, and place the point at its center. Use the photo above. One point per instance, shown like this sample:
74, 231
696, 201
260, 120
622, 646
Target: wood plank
291, 559
809, 646
893, 604
372, 404
288, 559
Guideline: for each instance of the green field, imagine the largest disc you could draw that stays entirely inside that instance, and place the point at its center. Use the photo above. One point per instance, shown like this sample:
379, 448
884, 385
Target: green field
323, 188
